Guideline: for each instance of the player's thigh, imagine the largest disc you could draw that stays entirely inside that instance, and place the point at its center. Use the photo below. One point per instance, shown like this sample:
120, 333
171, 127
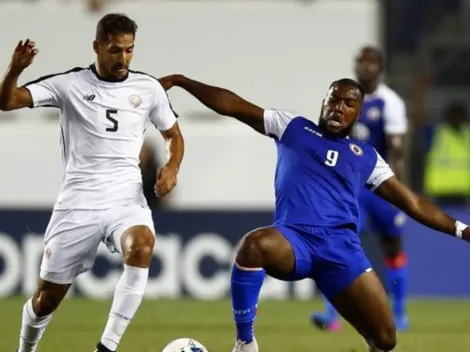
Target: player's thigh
339, 260
287, 255
365, 306
344, 274
71, 242
117, 222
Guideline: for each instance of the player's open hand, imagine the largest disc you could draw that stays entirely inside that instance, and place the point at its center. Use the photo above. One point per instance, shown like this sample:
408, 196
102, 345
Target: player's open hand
166, 181
169, 82
23, 55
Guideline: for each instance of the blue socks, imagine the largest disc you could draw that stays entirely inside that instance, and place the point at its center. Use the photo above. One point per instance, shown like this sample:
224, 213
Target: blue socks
396, 273
245, 287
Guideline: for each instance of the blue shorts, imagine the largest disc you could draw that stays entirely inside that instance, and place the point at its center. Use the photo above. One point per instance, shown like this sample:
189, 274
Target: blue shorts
333, 258
382, 217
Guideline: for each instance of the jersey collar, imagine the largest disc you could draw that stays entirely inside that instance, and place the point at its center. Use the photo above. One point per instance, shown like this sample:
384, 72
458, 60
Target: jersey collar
374, 93
95, 72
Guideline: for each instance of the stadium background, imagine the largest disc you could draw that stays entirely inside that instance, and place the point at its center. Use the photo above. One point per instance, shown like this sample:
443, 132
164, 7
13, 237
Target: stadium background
280, 54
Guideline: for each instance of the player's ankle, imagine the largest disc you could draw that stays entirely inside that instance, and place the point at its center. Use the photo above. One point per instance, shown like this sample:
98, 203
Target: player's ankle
397, 261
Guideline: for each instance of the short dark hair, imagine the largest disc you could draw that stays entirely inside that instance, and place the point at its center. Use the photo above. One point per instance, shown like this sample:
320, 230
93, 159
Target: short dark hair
114, 23
378, 54
350, 82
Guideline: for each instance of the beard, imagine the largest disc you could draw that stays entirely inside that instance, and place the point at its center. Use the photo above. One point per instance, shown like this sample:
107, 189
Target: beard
346, 131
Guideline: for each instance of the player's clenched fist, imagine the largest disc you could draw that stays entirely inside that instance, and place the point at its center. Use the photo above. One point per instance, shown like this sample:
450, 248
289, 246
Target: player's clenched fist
24, 55
166, 181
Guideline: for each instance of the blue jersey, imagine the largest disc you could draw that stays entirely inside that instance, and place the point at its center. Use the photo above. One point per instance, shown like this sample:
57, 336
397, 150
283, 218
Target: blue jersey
318, 179
383, 113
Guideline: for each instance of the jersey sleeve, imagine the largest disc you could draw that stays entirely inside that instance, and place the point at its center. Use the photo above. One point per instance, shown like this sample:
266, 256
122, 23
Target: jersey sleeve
161, 113
276, 122
395, 121
48, 91
381, 173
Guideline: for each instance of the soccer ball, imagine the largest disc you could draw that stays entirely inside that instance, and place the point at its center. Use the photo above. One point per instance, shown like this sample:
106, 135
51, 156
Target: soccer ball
184, 345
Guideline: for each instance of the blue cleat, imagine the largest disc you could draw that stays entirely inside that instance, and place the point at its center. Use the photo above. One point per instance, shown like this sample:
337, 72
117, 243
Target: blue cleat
401, 322
324, 322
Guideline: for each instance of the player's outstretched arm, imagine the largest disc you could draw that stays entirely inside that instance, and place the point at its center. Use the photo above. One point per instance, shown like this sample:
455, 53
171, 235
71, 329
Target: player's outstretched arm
421, 209
222, 101
12, 97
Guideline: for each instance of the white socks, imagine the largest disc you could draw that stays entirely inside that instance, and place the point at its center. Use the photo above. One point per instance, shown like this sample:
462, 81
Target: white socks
32, 328
127, 298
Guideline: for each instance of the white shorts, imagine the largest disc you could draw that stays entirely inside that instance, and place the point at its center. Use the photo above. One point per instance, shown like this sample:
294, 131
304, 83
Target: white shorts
73, 236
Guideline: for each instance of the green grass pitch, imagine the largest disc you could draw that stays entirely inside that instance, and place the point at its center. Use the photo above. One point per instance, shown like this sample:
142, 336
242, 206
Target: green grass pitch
436, 326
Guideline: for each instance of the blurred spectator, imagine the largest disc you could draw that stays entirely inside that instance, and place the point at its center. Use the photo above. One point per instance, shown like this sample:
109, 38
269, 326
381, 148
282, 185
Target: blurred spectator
149, 166
447, 171
96, 5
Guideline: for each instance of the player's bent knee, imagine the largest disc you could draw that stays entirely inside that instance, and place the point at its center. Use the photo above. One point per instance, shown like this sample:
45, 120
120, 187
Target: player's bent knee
254, 249
248, 254
138, 244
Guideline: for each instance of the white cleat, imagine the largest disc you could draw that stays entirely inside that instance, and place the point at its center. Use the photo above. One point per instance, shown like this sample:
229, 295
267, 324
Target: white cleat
241, 346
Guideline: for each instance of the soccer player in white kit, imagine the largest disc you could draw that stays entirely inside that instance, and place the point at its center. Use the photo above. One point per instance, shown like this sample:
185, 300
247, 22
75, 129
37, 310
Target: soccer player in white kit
105, 110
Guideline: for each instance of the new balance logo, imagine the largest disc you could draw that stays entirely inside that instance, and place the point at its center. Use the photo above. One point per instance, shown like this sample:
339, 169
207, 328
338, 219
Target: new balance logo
89, 97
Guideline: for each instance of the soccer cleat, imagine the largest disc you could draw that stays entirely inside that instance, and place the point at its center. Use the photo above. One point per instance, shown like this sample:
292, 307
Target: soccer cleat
401, 322
323, 322
241, 346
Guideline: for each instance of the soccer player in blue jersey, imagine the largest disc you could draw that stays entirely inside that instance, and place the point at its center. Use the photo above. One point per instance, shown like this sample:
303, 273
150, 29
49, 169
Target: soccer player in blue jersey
320, 175
383, 124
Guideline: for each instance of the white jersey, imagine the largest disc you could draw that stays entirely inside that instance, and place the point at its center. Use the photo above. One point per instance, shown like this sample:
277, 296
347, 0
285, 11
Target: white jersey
394, 110
102, 126
383, 113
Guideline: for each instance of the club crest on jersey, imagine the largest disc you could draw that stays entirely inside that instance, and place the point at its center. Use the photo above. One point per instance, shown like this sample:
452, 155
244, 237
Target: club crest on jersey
373, 113
135, 101
356, 149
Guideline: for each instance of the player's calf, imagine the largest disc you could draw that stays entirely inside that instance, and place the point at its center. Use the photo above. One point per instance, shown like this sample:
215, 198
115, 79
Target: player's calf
384, 340
137, 249
37, 313
262, 250
396, 274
